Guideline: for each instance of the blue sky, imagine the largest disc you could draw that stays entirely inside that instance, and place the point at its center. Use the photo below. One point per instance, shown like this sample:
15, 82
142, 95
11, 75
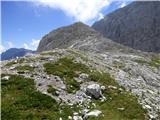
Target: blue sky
24, 23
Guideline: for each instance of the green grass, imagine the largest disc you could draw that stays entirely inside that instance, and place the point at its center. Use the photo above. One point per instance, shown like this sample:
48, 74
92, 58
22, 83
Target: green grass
20, 60
25, 68
21, 101
10, 63
51, 90
116, 99
66, 69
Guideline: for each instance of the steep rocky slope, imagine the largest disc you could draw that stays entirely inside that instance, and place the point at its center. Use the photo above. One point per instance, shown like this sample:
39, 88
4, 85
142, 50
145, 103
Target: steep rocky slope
79, 36
137, 25
82, 86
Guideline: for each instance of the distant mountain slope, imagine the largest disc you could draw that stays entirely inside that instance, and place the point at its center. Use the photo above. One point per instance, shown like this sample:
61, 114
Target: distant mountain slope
79, 36
14, 52
136, 25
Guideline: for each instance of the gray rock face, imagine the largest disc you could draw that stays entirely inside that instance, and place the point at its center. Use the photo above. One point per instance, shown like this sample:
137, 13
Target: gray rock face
136, 25
78, 36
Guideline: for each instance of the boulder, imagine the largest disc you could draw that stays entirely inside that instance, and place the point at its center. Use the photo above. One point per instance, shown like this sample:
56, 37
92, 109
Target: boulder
94, 113
94, 90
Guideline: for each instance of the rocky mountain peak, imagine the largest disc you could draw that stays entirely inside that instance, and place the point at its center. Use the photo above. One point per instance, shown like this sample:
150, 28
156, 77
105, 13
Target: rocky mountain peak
66, 36
78, 36
136, 25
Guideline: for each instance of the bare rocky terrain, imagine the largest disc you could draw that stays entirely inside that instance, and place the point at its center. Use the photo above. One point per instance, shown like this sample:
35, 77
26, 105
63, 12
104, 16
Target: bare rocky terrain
138, 74
136, 25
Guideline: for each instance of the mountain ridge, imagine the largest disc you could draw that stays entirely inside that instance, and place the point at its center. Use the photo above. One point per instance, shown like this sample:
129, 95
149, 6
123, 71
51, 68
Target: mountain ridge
136, 25
79, 36
12, 53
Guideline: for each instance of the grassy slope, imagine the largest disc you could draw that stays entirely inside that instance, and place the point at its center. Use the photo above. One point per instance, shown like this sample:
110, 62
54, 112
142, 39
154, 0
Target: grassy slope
20, 100
66, 68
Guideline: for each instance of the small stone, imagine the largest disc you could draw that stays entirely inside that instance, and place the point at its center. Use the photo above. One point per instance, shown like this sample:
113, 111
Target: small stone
121, 109
6, 78
77, 118
83, 76
103, 87
75, 113
94, 113
148, 107
112, 87
69, 117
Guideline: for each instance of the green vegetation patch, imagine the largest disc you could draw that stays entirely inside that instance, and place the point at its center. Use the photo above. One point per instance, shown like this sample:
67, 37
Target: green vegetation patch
21, 101
10, 63
25, 68
154, 62
20, 60
52, 90
67, 69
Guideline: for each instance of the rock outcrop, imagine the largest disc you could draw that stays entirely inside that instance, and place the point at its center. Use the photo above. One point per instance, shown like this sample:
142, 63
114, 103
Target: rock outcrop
137, 25
78, 36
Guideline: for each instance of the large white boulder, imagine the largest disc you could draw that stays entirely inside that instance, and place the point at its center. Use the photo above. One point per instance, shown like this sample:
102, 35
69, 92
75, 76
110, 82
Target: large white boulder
94, 90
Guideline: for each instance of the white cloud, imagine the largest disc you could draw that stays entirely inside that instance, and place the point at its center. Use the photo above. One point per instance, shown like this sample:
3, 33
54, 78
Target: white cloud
101, 16
10, 44
35, 42
26, 46
2, 48
33, 45
123, 4
80, 10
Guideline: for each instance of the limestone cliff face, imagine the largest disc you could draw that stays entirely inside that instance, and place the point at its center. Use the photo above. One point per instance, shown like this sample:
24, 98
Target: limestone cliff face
78, 36
136, 25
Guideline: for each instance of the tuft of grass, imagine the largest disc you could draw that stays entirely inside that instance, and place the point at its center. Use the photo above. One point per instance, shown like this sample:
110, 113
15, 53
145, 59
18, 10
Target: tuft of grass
103, 78
51, 90
155, 61
72, 85
25, 68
